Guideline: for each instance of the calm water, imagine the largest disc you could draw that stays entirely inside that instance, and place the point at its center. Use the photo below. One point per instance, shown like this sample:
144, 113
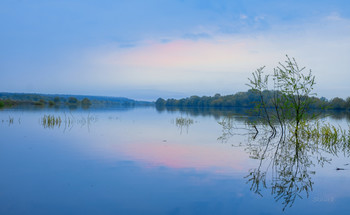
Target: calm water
142, 161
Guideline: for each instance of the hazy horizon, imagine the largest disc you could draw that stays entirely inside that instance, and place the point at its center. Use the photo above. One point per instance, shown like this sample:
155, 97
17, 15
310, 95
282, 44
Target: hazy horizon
145, 50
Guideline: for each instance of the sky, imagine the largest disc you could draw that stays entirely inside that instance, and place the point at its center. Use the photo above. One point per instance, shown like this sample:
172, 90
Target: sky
145, 49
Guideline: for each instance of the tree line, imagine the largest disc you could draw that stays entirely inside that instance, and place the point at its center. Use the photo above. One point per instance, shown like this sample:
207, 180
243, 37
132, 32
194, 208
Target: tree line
56, 101
249, 99
47, 100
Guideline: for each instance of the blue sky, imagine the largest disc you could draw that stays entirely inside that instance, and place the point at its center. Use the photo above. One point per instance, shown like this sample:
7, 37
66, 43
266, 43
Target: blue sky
146, 49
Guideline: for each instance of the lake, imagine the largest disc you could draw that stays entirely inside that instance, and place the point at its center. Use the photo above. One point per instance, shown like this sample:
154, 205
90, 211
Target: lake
148, 161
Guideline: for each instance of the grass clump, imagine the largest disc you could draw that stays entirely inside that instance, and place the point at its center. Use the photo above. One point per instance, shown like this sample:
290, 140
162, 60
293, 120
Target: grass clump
50, 121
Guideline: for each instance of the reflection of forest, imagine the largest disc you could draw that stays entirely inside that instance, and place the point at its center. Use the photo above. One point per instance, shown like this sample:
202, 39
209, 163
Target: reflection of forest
241, 114
217, 113
286, 161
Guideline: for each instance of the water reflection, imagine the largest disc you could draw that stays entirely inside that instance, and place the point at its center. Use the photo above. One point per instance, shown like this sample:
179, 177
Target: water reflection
287, 161
10, 120
231, 128
288, 167
337, 114
217, 113
237, 112
131, 155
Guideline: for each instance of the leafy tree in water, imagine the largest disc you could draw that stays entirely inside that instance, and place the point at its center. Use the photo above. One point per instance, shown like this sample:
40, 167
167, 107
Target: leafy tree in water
286, 162
292, 87
296, 87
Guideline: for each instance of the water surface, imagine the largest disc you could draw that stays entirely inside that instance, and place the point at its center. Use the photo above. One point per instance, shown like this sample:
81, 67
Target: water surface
144, 161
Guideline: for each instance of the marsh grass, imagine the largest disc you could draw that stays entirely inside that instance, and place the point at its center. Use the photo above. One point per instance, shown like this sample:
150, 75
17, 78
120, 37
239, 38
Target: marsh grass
51, 121
181, 123
332, 137
184, 121
67, 122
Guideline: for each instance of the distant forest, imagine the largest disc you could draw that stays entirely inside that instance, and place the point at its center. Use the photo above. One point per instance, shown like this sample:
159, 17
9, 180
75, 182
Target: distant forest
47, 100
248, 99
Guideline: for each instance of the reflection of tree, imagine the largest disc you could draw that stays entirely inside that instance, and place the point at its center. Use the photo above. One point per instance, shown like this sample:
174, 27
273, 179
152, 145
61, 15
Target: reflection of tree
286, 161
217, 113
242, 114
288, 165
230, 128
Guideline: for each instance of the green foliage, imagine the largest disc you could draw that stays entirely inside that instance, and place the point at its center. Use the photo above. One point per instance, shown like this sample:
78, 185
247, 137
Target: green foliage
11, 99
291, 95
241, 99
249, 99
291, 98
50, 121
41, 102
160, 102
9, 103
86, 102
338, 103
57, 100
2, 104
295, 86
329, 136
347, 103
287, 154
72, 101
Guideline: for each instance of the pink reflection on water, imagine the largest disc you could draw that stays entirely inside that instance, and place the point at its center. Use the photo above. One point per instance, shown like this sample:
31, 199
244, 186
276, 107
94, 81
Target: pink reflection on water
213, 157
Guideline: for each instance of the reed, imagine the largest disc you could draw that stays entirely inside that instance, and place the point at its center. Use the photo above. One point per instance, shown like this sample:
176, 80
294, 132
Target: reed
51, 121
